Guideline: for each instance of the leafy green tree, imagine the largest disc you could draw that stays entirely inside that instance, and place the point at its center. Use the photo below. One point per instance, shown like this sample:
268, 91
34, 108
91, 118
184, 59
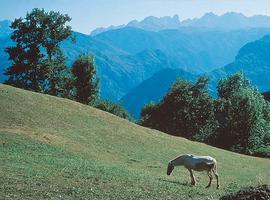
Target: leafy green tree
242, 115
86, 81
149, 115
184, 111
238, 120
37, 59
228, 86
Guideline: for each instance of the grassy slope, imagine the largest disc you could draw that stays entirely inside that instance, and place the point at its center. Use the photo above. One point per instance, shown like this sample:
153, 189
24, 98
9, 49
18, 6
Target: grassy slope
56, 148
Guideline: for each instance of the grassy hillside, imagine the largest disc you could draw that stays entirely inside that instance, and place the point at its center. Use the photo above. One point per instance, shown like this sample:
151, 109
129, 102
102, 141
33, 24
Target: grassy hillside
53, 148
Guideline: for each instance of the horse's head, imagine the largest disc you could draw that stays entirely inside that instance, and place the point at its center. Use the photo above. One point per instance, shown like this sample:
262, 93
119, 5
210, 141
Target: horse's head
170, 168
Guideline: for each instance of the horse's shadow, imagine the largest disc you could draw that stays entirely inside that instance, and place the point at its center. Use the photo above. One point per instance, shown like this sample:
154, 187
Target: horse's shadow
176, 182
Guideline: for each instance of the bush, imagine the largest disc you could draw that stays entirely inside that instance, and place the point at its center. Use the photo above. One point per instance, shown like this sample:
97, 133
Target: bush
85, 79
184, 111
242, 116
237, 120
112, 107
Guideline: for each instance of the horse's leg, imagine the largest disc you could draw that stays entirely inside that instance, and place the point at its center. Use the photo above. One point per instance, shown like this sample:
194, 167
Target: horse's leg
210, 178
193, 181
216, 175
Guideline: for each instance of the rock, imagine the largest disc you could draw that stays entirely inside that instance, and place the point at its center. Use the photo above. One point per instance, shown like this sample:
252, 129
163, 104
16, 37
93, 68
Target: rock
252, 193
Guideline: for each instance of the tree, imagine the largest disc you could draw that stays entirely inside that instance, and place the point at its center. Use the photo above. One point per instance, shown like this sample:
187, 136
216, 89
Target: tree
242, 115
86, 82
184, 111
37, 58
238, 120
149, 115
228, 86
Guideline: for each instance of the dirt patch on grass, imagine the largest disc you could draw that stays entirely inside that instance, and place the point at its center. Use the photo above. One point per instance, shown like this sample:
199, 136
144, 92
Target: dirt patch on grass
37, 135
251, 193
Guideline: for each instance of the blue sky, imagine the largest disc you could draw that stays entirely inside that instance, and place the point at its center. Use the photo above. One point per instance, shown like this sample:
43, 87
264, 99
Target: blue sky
90, 14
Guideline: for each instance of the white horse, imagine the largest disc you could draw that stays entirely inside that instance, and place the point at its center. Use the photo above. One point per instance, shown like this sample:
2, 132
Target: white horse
197, 163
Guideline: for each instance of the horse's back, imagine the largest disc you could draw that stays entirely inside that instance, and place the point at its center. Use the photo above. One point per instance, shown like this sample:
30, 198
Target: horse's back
200, 163
207, 159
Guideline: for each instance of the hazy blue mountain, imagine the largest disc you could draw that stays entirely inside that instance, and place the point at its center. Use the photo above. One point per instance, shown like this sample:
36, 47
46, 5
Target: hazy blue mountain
5, 31
4, 62
119, 71
152, 23
127, 56
227, 21
152, 89
102, 29
193, 50
5, 41
254, 60
4, 28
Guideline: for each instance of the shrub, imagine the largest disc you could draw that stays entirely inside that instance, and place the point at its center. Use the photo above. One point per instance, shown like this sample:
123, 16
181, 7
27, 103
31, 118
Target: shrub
112, 107
184, 111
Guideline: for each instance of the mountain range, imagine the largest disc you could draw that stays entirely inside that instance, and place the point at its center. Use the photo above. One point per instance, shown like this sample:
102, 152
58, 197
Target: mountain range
227, 21
153, 89
4, 28
128, 55
150, 23
143, 53
253, 59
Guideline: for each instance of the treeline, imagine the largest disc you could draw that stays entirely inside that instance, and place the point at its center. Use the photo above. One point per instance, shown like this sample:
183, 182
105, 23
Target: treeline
39, 65
238, 119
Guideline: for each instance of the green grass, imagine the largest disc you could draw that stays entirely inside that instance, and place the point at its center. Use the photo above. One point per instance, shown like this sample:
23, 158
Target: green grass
53, 148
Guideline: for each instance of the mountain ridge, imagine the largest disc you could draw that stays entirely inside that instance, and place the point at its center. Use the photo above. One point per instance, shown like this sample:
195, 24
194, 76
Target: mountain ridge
127, 56
152, 89
229, 21
253, 59
5, 28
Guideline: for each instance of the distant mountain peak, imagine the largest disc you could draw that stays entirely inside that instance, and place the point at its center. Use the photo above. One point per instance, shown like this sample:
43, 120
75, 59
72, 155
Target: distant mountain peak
233, 14
5, 23
102, 29
174, 18
228, 21
5, 28
150, 23
210, 20
209, 14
